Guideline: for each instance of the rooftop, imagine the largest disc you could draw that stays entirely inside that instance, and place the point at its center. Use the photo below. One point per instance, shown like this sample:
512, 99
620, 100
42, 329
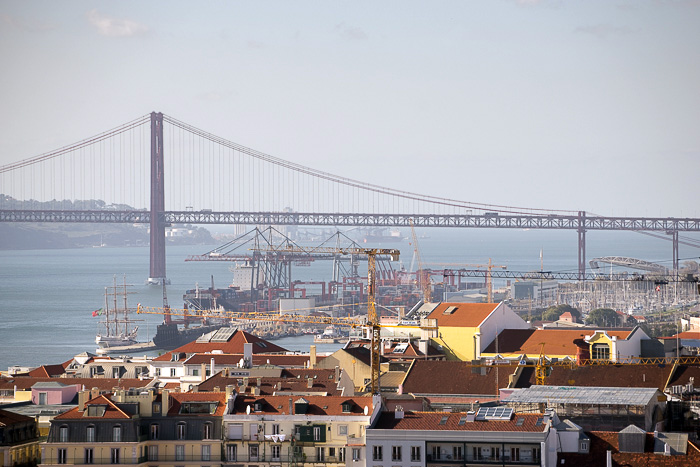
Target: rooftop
582, 395
448, 421
462, 314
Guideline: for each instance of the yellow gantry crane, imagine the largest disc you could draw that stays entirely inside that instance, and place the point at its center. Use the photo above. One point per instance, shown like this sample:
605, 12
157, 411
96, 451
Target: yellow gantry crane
422, 276
372, 321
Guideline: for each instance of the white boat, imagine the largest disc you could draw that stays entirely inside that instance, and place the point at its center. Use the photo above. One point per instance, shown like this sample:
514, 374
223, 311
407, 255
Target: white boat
329, 336
117, 326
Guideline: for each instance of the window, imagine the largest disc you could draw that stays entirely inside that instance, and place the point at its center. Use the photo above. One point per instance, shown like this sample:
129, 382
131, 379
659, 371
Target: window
152, 453
90, 434
347, 407
415, 453
436, 453
583, 446
63, 434
156, 408
207, 431
376, 453
356, 454
231, 452
341, 455
179, 452
172, 372
195, 372
496, 453
275, 429
253, 452
115, 455
396, 453
61, 456
342, 430
116, 433
601, 352
206, 452
320, 455
331, 452
157, 371
181, 430
89, 456
275, 451
476, 452
155, 431
317, 433
457, 453
514, 454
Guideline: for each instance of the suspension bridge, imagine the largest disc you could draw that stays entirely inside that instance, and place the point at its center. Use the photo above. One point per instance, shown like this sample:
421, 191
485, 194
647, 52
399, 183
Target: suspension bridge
211, 180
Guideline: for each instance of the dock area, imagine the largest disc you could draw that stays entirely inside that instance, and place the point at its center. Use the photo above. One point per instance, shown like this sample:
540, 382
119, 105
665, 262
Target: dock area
125, 349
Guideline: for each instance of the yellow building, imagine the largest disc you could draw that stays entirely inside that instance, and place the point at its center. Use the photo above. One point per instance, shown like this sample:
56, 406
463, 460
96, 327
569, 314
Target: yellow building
465, 329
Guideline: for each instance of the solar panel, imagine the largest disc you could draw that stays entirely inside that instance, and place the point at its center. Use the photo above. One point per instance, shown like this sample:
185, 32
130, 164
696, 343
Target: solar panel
494, 413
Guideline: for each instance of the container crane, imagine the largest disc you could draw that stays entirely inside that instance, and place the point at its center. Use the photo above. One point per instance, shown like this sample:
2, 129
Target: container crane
422, 276
372, 321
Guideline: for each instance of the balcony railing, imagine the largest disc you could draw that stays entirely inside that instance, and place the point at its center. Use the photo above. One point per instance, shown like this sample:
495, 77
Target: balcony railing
284, 458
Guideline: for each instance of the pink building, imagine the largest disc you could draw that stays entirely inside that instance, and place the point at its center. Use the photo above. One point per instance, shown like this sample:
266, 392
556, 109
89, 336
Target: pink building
48, 393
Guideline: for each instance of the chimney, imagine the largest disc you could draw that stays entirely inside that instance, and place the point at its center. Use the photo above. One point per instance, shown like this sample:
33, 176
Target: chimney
256, 391
337, 373
248, 354
312, 356
217, 389
471, 416
94, 392
211, 368
309, 383
608, 459
291, 406
82, 398
279, 385
230, 391
245, 385
203, 371
165, 402
398, 412
259, 381
423, 346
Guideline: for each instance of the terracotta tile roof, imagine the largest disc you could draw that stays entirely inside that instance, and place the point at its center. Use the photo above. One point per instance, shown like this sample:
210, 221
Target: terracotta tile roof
463, 315
412, 351
556, 341
48, 371
324, 381
8, 418
454, 377
233, 346
177, 399
283, 360
683, 374
632, 376
318, 405
112, 412
24, 383
432, 421
602, 441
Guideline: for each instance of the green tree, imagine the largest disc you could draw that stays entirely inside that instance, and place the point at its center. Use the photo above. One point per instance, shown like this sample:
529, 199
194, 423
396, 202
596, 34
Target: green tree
554, 312
602, 317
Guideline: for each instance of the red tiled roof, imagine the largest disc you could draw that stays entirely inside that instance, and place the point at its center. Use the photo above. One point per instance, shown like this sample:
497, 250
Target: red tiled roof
464, 314
430, 421
683, 374
556, 341
48, 371
8, 418
24, 383
111, 412
323, 381
233, 346
177, 399
318, 405
603, 441
454, 377
624, 376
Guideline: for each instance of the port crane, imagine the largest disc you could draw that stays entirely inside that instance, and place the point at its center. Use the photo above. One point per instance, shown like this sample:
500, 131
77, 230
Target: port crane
371, 322
422, 276
489, 274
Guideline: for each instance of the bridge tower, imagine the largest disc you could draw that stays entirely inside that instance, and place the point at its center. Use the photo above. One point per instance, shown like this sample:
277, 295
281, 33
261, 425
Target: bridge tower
157, 244
581, 245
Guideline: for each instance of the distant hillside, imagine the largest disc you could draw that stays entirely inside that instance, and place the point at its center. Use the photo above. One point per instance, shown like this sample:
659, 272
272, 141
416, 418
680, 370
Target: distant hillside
28, 236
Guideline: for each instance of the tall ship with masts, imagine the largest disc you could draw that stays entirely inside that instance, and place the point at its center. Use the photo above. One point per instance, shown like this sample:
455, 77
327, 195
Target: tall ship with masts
117, 329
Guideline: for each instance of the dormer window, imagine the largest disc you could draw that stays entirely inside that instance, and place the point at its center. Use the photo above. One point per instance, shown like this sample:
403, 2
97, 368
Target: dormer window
96, 410
347, 407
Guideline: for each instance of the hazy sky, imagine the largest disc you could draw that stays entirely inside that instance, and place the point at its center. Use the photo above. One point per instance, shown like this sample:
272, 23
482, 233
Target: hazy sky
580, 105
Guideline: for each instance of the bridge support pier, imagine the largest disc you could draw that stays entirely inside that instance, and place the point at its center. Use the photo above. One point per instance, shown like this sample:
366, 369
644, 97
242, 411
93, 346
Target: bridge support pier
581, 245
157, 244
674, 241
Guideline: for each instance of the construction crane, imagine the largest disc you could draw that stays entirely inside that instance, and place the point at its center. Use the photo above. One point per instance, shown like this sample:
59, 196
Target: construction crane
372, 321
422, 276
489, 275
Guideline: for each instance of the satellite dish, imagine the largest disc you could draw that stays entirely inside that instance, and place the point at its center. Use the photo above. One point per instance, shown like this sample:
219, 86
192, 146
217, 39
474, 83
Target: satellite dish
366, 410
247, 410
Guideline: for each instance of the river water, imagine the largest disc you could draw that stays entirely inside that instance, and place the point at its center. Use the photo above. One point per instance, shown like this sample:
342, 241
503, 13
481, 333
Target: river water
47, 296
